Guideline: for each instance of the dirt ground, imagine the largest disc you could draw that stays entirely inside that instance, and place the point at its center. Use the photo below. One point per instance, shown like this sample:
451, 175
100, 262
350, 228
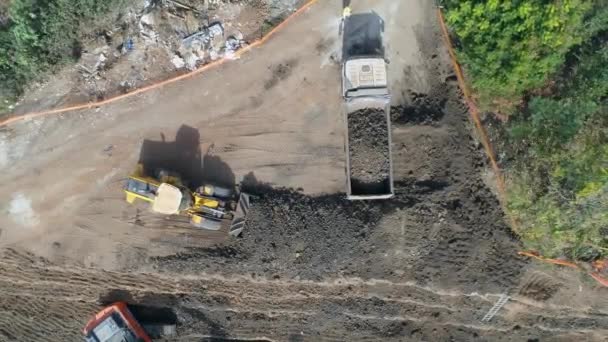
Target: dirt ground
43, 302
310, 266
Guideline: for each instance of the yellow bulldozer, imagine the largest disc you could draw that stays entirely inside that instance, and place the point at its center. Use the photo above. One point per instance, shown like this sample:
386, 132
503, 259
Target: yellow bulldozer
209, 206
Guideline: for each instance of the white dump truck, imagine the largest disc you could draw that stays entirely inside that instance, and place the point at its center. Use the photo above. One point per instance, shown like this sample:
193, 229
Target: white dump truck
369, 165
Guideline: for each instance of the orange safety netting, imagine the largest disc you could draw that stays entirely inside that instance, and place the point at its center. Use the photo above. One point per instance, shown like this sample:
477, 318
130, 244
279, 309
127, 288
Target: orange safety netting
552, 261
598, 265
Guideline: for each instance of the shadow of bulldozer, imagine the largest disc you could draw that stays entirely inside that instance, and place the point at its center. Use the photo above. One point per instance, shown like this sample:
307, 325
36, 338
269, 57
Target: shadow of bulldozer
184, 156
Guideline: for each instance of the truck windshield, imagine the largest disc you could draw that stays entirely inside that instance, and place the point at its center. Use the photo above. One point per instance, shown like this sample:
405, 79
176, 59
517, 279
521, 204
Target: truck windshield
363, 36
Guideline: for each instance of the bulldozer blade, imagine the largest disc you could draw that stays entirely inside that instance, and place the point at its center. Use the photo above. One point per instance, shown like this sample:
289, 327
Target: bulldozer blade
240, 215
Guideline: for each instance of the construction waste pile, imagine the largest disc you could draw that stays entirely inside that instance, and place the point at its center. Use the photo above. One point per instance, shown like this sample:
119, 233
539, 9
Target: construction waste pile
156, 38
207, 44
196, 39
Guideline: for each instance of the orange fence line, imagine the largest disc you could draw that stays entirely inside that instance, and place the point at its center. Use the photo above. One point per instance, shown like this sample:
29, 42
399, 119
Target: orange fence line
481, 131
599, 278
551, 261
88, 105
474, 113
595, 275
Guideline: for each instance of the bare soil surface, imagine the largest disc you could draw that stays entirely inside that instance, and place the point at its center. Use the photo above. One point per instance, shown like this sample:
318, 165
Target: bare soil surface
368, 146
426, 265
43, 302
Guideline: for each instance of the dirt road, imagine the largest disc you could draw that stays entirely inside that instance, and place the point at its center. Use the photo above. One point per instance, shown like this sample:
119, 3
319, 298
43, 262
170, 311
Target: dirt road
426, 265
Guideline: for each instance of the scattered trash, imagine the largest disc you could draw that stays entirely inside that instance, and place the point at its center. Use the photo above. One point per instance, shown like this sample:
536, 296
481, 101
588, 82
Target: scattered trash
156, 36
129, 45
197, 46
191, 60
100, 61
108, 150
146, 28
207, 44
232, 44
178, 62
125, 86
216, 30
91, 63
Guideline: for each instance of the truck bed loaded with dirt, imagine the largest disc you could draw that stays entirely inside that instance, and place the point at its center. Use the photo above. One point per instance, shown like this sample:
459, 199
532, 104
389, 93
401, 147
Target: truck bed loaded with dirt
366, 108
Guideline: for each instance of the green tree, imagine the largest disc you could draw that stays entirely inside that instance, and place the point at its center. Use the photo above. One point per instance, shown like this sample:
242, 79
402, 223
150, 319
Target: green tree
558, 188
558, 142
43, 34
511, 46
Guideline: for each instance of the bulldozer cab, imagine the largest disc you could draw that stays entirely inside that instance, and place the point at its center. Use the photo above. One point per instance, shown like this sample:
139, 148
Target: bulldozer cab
140, 188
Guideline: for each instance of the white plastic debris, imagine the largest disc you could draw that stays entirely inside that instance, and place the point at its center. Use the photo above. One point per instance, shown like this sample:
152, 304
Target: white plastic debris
178, 62
232, 44
216, 30
190, 60
146, 27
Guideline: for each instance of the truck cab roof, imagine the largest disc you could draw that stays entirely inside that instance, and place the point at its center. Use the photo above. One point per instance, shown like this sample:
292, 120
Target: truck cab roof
365, 73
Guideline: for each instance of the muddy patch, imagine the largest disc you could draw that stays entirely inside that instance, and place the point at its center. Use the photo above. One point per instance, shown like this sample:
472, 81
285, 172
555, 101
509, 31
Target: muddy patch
422, 109
539, 287
279, 73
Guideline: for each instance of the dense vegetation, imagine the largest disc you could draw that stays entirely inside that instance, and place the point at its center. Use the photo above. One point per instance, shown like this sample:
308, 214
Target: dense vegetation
545, 62
36, 36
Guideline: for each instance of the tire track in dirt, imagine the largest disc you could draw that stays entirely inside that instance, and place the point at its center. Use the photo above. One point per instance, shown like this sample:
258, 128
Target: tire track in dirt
43, 302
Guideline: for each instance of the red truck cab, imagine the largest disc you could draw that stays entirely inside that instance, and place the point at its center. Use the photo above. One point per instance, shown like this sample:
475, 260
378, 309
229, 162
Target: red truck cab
115, 323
